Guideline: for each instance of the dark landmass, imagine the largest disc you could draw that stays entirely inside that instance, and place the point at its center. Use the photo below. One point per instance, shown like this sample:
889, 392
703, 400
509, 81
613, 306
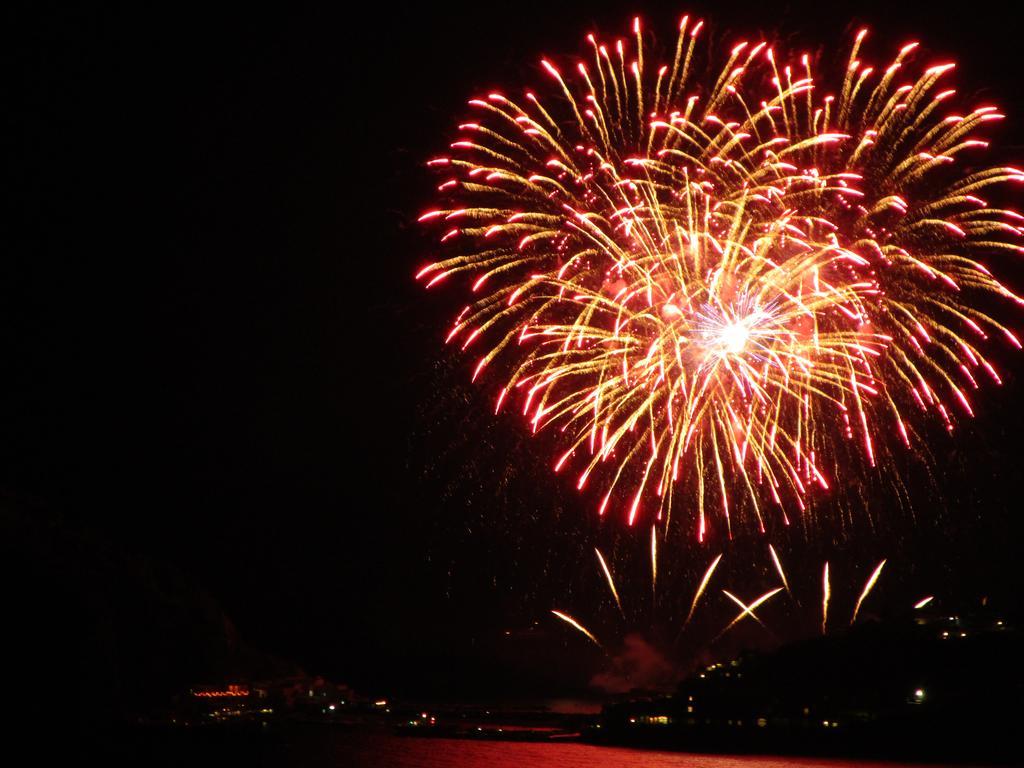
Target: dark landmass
103, 657
932, 686
98, 636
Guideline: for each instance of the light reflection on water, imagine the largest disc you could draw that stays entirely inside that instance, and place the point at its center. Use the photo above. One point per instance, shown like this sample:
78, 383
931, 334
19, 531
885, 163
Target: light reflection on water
380, 751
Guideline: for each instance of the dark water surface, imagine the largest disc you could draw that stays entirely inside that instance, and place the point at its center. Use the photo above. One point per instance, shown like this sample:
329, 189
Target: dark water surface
316, 745
359, 750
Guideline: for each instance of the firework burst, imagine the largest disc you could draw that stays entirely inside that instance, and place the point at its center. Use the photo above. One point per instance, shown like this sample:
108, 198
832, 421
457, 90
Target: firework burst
725, 286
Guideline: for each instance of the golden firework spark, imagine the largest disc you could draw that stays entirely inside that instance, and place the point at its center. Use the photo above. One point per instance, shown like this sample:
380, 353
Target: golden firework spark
867, 588
748, 610
778, 567
654, 558
576, 625
826, 594
609, 579
701, 587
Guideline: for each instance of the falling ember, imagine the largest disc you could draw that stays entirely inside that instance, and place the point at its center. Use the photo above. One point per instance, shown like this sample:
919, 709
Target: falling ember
740, 276
867, 588
701, 587
748, 610
654, 558
826, 590
923, 602
576, 625
610, 580
778, 567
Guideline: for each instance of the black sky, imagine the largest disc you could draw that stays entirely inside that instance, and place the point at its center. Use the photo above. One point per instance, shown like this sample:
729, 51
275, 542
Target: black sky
214, 356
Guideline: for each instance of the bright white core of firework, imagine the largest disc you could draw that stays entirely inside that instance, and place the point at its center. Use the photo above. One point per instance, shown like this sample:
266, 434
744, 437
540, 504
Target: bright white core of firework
734, 338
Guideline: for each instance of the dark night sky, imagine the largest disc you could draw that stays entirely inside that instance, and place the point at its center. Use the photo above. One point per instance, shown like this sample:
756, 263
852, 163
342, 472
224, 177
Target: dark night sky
214, 356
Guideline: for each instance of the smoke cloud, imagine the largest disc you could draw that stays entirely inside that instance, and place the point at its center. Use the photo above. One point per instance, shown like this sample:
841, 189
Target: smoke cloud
639, 665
